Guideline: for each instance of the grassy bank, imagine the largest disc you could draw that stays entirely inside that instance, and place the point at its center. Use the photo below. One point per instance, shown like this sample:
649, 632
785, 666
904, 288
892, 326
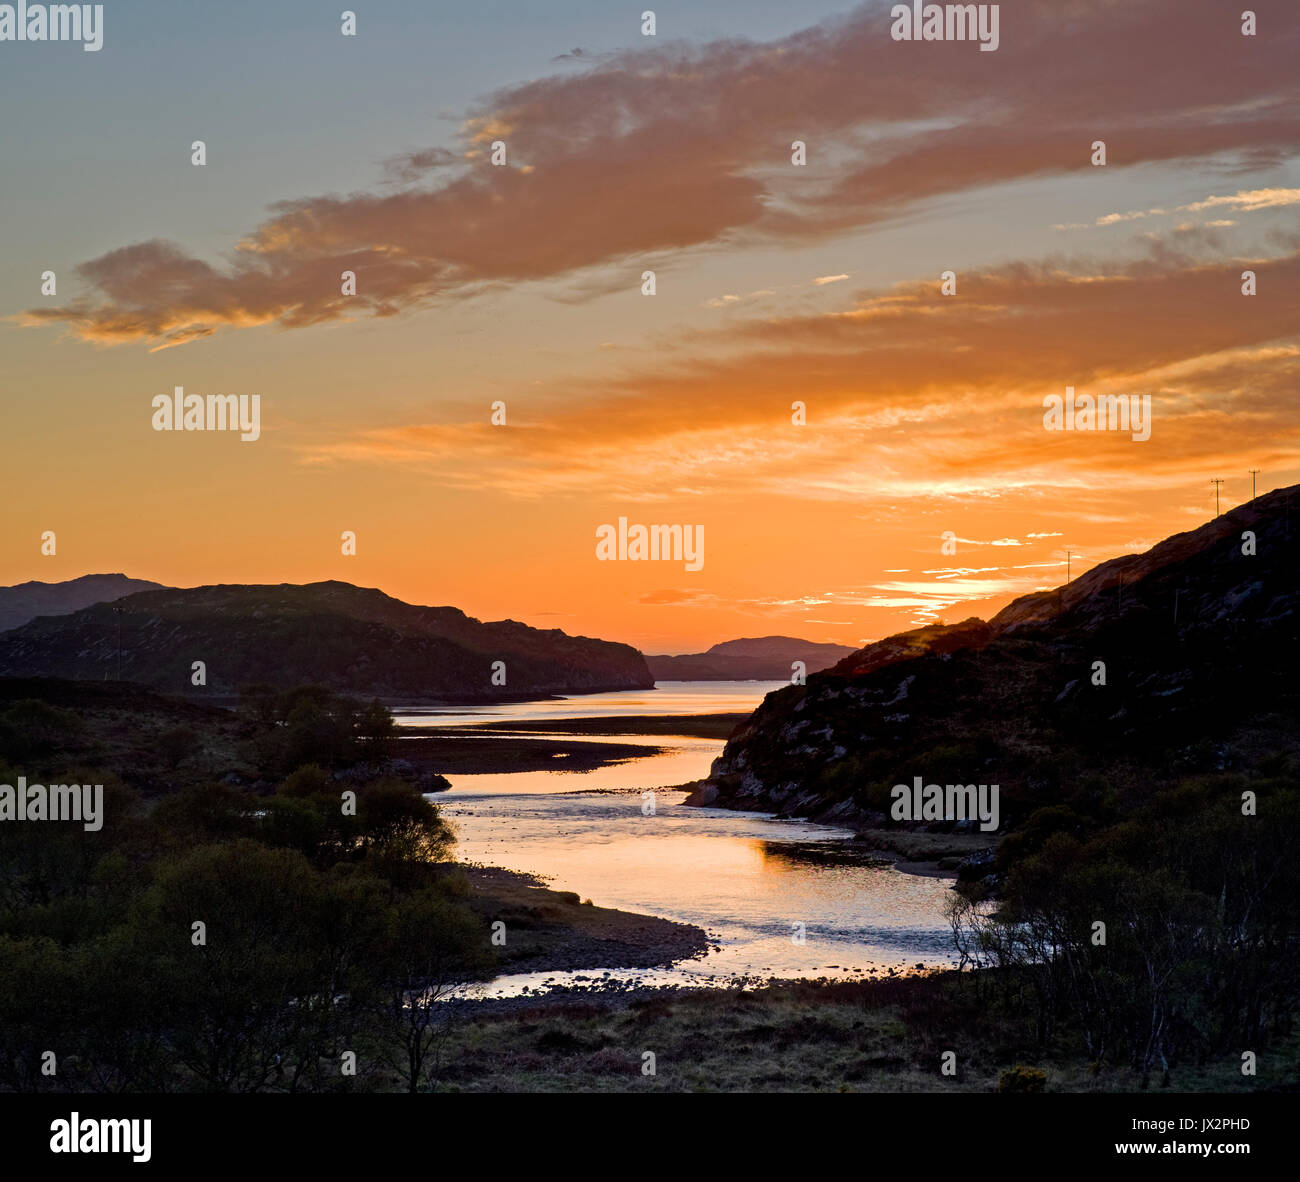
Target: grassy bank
885, 1035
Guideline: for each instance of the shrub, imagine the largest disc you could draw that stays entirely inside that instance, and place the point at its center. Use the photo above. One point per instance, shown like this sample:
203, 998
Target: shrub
1023, 1079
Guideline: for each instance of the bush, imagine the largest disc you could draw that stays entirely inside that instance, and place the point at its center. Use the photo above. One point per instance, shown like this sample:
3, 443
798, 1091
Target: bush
176, 743
310, 725
309, 780
1023, 1079
30, 727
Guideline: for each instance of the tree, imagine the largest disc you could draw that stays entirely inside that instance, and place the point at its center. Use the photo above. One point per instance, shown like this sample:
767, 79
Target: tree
375, 730
249, 1006
433, 945
400, 833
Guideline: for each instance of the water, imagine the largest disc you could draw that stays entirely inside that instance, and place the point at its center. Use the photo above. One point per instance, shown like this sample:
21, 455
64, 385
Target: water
737, 875
668, 698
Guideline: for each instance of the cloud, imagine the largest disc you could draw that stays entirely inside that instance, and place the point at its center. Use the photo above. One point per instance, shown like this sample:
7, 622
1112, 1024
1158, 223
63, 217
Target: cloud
1248, 200
995, 542
669, 597
675, 147
928, 601
413, 165
911, 395
1245, 200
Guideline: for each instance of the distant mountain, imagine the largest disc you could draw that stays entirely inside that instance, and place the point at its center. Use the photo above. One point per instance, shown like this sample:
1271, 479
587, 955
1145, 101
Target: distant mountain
333, 634
1197, 641
26, 601
764, 658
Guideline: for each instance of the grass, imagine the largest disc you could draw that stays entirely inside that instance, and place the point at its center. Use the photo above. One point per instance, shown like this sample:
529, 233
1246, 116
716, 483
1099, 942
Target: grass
922, 846
875, 1036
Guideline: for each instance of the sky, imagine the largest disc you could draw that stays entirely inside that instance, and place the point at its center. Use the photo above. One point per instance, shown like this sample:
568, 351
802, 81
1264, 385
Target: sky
921, 485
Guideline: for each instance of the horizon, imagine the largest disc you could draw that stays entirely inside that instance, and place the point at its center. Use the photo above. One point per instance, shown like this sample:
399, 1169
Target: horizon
645, 652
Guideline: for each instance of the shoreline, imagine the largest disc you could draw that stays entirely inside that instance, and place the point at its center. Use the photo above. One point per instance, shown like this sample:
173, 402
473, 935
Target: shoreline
920, 851
557, 931
509, 746
457, 753
688, 726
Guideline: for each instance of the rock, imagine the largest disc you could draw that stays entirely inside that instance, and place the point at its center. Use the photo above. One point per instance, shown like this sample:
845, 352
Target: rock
703, 796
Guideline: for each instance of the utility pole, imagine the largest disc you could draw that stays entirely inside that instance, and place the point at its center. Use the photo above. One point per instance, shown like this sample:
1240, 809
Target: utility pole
1216, 484
1252, 472
1067, 566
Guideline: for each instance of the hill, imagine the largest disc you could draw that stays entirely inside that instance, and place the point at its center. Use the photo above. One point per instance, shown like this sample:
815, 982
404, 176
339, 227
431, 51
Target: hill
1146, 669
26, 601
344, 638
764, 658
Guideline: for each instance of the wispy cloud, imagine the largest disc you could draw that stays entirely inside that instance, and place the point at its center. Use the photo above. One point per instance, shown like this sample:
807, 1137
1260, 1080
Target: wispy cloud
1246, 201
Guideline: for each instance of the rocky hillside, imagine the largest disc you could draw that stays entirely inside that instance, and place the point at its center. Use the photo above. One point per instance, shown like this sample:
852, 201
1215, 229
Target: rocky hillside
764, 658
1153, 667
26, 601
333, 634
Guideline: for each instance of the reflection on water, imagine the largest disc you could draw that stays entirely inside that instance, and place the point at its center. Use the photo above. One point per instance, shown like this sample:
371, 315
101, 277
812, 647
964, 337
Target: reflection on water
745, 878
667, 699
682, 760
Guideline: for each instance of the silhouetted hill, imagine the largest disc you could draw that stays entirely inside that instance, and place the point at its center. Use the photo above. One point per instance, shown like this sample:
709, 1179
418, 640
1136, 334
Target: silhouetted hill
346, 638
26, 601
764, 658
1199, 646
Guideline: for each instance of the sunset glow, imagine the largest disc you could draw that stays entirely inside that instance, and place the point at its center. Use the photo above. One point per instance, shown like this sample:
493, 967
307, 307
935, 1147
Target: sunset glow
776, 284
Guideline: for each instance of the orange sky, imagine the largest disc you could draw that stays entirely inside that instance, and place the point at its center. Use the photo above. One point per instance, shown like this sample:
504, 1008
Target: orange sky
775, 284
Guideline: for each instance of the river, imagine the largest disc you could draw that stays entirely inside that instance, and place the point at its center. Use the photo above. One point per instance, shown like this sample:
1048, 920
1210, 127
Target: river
737, 875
